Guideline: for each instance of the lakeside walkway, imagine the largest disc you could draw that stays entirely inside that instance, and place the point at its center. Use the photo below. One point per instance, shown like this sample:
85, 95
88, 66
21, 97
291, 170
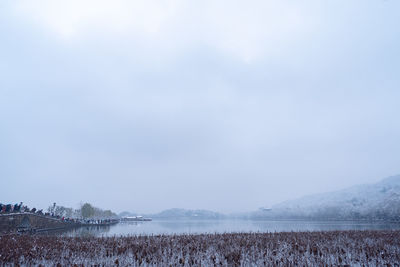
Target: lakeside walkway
28, 222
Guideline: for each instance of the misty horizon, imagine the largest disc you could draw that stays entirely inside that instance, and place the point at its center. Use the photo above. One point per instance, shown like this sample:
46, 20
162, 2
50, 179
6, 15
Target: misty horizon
230, 106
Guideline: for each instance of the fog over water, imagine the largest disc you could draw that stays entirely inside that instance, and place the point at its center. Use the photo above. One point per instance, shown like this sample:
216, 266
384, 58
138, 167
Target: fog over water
228, 106
224, 226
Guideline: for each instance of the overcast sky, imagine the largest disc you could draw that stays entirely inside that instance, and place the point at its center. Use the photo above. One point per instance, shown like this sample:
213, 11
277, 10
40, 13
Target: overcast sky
220, 105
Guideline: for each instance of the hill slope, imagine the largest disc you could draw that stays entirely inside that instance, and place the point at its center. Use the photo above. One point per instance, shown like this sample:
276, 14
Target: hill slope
370, 201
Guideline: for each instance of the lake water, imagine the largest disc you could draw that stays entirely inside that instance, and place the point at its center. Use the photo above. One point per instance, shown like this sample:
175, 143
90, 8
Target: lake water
221, 226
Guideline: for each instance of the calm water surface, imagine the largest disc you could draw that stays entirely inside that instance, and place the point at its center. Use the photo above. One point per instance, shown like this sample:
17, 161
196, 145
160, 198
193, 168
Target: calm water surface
222, 226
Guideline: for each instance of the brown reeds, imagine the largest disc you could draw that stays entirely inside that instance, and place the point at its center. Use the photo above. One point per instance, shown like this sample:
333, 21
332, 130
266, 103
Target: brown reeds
368, 248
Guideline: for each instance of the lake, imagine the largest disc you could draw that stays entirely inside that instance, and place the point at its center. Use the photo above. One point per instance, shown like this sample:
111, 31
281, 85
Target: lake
221, 226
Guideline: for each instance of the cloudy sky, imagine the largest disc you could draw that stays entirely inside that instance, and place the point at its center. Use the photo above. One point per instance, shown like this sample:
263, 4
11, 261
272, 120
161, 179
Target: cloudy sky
223, 105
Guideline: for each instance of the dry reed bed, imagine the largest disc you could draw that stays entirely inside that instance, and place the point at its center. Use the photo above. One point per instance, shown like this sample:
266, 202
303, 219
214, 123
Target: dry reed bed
355, 248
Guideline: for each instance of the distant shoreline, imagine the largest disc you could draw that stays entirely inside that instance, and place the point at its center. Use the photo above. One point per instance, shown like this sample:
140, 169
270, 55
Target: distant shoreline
280, 219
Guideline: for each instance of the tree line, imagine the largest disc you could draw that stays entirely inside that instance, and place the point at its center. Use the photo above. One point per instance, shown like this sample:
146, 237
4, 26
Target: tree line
85, 211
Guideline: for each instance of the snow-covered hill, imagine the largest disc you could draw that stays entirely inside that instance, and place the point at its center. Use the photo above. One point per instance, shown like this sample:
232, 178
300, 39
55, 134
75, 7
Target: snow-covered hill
370, 201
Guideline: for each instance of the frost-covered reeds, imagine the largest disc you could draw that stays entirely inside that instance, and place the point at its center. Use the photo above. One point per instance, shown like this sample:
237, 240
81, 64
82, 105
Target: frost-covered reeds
355, 248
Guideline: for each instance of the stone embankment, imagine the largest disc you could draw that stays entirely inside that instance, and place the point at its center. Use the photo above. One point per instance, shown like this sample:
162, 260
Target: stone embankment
31, 222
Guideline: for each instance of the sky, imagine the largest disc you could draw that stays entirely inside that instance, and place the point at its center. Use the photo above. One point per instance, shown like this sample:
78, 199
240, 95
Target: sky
222, 105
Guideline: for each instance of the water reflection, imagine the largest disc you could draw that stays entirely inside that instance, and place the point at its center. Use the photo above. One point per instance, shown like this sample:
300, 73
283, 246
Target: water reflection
87, 231
297, 226
222, 226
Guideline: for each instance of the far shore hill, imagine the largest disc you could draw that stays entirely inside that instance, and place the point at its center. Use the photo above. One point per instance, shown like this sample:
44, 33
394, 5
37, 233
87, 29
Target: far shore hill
379, 201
